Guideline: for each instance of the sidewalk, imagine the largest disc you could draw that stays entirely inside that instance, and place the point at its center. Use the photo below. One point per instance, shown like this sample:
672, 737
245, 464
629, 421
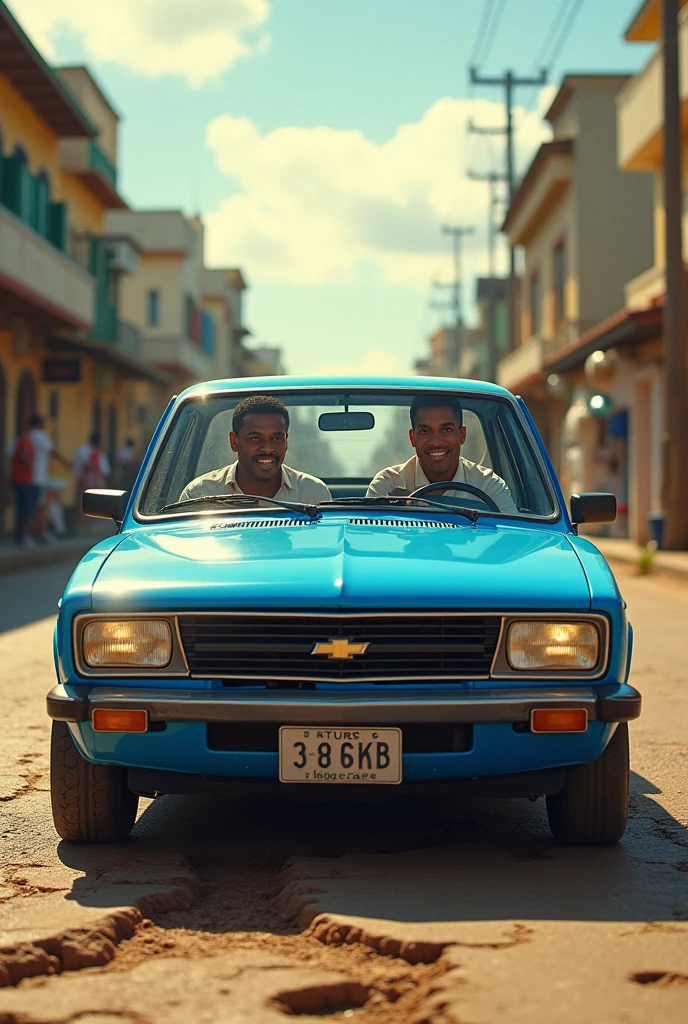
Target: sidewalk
14, 559
616, 549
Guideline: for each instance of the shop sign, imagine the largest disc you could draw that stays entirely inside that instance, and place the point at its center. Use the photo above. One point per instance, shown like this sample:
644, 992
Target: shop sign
61, 371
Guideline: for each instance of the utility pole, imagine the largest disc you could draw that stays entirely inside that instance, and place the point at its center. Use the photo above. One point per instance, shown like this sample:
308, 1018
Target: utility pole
508, 82
457, 233
492, 179
675, 440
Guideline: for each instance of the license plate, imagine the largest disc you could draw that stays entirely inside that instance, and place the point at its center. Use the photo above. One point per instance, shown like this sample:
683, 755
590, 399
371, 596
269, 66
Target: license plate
355, 756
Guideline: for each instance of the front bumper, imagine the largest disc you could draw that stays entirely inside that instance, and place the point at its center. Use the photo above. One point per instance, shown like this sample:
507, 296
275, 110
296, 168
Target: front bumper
604, 703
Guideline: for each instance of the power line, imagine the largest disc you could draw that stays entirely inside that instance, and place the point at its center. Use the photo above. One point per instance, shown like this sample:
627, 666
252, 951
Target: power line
508, 82
558, 34
540, 61
566, 29
457, 234
482, 28
494, 26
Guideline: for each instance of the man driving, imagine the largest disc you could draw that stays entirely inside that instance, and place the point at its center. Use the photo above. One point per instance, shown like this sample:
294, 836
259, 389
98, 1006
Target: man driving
437, 434
260, 437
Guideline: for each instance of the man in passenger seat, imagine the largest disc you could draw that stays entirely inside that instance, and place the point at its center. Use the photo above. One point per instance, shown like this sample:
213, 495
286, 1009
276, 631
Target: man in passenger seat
437, 434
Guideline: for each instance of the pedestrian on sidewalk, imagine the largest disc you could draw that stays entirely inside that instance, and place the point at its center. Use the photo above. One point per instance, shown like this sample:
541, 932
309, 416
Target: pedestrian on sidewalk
30, 456
128, 463
91, 467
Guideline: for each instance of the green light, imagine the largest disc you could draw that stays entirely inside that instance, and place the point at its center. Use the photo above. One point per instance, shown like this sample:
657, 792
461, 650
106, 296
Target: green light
599, 405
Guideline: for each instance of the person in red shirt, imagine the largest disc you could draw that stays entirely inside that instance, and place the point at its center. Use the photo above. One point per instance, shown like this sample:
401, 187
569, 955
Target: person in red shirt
26, 492
29, 458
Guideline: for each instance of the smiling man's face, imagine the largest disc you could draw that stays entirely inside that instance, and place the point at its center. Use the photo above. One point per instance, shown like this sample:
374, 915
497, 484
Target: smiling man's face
261, 445
437, 437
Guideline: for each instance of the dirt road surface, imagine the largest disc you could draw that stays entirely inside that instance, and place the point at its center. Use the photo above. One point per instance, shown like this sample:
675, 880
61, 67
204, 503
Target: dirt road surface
412, 911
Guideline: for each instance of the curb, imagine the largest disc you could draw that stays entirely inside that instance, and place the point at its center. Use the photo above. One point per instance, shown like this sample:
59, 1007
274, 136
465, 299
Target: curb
31, 558
672, 563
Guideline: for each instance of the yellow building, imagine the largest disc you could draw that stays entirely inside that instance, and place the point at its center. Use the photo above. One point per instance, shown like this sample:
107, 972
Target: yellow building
189, 316
63, 349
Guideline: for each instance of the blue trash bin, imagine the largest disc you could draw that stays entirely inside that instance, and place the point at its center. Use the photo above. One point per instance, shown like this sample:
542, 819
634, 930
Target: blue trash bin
655, 524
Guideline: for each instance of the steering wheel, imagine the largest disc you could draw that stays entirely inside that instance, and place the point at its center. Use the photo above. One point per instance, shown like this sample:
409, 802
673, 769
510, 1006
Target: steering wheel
454, 485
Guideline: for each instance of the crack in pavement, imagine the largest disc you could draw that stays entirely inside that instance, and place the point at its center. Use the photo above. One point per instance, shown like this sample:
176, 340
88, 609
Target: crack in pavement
29, 785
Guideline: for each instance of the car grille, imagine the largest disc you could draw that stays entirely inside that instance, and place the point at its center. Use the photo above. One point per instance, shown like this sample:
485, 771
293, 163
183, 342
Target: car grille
279, 647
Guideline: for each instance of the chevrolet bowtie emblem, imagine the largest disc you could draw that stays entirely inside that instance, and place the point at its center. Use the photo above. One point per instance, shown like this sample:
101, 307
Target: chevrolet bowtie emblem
341, 648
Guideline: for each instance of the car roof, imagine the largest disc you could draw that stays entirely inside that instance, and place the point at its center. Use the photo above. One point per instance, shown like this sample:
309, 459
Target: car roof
260, 385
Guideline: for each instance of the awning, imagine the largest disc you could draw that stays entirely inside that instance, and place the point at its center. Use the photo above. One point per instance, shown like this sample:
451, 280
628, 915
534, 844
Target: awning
627, 327
37, 82
106, 353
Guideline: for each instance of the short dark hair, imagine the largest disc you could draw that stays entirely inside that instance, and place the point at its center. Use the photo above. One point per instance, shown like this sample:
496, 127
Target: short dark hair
36, 420
95, 439
435, 402
258, 403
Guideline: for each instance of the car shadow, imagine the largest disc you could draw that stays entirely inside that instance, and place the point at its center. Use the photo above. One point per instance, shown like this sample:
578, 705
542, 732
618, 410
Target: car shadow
409, 859
32, 594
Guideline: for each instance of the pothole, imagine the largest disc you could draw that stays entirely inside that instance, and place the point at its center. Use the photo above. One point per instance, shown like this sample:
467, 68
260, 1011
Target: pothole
662, 979
337, 997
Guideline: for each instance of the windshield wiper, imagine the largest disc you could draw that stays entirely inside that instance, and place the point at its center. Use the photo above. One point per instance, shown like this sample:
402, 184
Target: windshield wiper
468, 513
243, 501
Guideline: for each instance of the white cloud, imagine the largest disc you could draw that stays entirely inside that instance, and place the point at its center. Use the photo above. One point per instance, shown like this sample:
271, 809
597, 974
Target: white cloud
194, 39
314, 203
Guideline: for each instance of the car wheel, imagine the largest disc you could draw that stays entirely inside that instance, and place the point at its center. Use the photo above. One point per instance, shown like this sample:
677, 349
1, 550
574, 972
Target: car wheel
592, 807
91, 802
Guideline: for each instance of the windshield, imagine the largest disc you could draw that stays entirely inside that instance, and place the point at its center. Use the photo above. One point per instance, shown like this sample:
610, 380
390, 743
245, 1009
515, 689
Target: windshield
498, 472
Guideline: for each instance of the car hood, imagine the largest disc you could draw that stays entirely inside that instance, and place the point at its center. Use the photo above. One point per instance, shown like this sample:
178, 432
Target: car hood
342, 562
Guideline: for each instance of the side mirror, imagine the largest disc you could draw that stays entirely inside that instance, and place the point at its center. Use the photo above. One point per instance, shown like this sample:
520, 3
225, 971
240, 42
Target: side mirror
105, 504
593, 508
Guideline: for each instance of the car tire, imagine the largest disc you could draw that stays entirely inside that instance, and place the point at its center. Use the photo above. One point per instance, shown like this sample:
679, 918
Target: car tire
91, 802
592, 806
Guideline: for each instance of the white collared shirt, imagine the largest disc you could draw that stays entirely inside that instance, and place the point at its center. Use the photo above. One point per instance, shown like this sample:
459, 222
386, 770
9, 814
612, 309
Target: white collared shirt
410, 476
295, 486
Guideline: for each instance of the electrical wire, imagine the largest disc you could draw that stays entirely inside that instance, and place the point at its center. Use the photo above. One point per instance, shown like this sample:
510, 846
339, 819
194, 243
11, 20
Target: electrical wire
494, 26
559, 33
480, 35
540, 61
567, 25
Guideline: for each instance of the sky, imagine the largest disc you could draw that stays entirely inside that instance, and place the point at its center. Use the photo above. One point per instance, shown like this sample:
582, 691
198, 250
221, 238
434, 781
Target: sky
324, 142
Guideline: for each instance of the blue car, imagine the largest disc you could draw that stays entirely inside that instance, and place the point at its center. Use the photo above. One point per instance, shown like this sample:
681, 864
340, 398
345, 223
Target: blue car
343, 587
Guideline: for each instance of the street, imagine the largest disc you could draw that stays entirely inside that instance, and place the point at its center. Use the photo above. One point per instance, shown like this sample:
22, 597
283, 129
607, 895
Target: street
409, 911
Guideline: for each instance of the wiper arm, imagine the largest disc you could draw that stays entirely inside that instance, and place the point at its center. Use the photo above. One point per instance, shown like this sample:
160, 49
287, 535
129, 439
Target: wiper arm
468, 513
243, 501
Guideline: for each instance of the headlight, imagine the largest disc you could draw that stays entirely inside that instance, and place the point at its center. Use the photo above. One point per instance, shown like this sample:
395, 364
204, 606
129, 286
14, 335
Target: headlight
560, 646
127, 643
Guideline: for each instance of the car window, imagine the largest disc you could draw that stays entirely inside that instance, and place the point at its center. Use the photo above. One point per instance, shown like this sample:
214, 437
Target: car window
197, 443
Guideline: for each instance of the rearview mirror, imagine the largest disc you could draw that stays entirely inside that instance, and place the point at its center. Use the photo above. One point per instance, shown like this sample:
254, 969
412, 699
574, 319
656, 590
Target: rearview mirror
105, 504
596, 507
346, 421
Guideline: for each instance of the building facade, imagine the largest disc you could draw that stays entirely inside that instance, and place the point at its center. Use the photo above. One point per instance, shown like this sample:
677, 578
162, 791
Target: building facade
64, 350
629, 346
584, 227
188, 315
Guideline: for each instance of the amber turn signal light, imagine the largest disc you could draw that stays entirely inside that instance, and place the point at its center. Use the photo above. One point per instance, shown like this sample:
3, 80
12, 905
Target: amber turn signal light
559, 720
112, 720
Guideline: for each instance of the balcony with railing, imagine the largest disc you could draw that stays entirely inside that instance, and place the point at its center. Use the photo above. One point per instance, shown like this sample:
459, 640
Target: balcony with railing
105, 306
526, 361
640, 107
85, 159
34, 267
